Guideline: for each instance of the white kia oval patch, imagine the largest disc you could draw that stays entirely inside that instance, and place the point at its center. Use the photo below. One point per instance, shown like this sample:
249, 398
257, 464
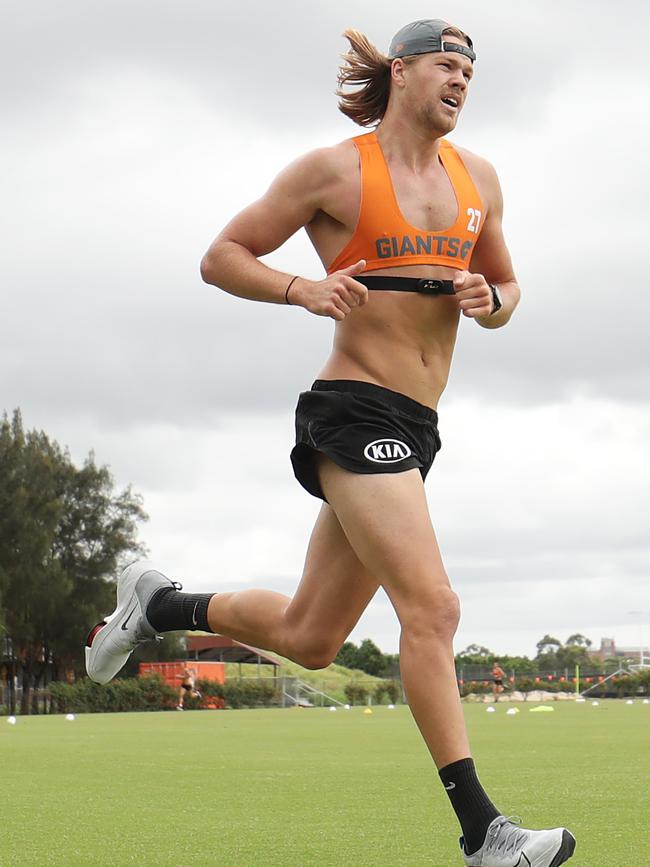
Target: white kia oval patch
387, 451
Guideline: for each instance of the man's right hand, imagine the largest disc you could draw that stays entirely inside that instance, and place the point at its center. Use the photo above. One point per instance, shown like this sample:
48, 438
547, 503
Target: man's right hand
334, 296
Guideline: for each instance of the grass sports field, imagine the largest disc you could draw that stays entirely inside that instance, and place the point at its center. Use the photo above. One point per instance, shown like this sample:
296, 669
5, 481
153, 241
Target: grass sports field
311, 787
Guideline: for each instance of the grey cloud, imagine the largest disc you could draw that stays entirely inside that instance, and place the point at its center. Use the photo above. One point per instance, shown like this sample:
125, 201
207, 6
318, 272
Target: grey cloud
279, 65
108, 224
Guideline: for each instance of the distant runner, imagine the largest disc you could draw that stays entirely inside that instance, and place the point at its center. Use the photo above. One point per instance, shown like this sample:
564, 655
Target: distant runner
187, 687
498, 675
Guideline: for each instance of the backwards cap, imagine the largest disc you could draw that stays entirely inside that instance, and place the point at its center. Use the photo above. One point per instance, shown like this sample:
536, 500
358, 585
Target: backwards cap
425, 37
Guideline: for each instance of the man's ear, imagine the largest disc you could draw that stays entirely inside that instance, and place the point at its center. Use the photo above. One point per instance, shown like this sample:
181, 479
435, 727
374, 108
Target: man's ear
397, 71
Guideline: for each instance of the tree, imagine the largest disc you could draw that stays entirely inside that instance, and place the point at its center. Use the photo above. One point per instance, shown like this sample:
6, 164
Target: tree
552, 654
475, 654
370, 658
548, 644
347, 655
367, 657
29, 513
476, 650
95, 536
547, 649
578, 640
575, 651
63, 534
571, 655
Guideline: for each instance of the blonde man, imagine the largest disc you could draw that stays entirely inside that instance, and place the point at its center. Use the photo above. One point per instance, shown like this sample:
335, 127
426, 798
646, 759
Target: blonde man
188, 681
408, 228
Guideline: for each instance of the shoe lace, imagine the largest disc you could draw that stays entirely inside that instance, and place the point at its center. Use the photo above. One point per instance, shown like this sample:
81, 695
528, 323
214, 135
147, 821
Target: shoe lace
505, 836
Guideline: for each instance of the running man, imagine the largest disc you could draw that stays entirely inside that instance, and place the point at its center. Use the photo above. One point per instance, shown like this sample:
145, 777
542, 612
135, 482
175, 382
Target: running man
408, 228
187, 687
497, 680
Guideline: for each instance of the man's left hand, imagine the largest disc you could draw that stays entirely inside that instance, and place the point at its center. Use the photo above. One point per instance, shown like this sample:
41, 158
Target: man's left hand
473, 293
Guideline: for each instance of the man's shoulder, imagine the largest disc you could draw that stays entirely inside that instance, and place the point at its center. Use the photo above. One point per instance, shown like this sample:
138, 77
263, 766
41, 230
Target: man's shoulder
474, 162
321, 172
331, 159
482, 172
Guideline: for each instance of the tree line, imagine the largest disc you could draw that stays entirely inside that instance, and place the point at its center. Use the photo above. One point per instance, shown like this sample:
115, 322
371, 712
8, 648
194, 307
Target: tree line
552, 655
64, 534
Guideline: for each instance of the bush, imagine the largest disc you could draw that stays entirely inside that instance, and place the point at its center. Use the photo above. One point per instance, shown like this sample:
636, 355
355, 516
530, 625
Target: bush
641, 684
235, 693
249, 693
356, 693
624, 686
393, 691
389, 688
475, 687
128, 694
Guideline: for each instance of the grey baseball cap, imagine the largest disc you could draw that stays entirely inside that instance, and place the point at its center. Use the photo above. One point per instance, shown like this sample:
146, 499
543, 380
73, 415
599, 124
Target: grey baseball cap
424, 37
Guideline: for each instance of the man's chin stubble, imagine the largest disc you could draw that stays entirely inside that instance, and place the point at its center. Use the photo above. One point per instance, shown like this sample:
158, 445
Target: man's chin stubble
437, 124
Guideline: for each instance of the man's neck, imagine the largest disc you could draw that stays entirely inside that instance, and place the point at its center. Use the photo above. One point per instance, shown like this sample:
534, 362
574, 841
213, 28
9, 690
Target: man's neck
408, 142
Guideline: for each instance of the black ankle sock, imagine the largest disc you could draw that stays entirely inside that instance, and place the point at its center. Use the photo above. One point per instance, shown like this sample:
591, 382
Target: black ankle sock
474, 809
169, 609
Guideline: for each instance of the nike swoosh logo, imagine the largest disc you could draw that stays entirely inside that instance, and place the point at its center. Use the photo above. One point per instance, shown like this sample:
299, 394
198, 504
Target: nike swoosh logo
125, 622
195, 622
450, 787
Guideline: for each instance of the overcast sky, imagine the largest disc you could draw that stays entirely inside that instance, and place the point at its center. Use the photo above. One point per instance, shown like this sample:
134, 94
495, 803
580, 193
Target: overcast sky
132, 131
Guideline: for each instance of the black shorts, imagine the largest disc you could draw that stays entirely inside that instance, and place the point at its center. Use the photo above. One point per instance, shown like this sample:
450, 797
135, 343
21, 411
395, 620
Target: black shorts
362, 427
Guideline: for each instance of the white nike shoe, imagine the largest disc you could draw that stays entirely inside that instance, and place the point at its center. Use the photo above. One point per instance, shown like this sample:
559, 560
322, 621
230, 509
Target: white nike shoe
113, 640
508, 845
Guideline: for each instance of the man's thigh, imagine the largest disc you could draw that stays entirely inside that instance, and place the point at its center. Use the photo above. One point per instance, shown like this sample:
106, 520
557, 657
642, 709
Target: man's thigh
386, 519
336, 587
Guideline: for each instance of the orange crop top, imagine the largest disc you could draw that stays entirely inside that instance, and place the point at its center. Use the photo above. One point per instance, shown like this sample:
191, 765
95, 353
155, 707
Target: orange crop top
383, 237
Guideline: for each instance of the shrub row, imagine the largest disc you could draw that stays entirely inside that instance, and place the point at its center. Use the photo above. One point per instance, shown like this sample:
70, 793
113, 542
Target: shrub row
235, 693
618, 687
521, 684
135, 693
624, 685
357, 693
152, 693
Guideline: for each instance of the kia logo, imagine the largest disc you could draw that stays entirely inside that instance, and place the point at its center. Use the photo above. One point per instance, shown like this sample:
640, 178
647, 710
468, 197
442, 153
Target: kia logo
386, 451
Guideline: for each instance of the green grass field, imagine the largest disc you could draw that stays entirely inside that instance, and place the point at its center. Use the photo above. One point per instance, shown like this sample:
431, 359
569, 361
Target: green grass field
310, 787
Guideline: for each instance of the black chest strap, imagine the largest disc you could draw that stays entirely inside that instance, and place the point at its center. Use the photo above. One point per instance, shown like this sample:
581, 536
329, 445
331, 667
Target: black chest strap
408, 284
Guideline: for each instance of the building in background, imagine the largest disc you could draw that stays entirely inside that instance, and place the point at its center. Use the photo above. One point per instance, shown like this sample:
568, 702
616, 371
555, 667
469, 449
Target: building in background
609, 650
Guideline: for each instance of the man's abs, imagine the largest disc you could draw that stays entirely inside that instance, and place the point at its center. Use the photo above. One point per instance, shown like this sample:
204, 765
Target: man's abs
400, 340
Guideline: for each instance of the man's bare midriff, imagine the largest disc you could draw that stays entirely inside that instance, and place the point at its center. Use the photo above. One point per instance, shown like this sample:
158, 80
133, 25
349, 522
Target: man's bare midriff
400, 340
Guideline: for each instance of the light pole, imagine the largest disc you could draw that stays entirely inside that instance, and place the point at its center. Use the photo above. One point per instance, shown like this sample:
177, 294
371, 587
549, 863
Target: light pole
643, 615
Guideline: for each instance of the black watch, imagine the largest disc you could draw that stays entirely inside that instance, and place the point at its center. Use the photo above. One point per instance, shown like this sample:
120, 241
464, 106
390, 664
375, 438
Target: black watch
497, 301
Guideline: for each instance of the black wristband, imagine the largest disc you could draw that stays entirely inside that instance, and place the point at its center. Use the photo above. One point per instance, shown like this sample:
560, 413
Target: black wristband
286, 294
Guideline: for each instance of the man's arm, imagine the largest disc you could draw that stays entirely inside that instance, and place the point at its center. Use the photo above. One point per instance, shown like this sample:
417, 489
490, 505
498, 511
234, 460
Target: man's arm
491, 263
291, 202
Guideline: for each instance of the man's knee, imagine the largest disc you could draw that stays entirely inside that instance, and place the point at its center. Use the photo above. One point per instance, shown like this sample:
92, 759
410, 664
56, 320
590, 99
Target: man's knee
313, 651
435, 614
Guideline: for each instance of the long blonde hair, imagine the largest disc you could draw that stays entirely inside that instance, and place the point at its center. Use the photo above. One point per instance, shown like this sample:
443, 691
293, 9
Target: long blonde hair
368, 70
